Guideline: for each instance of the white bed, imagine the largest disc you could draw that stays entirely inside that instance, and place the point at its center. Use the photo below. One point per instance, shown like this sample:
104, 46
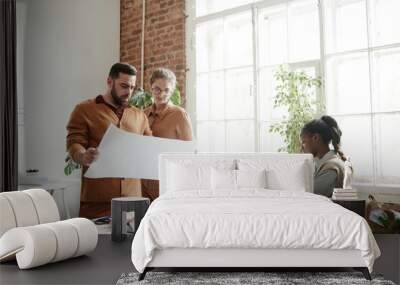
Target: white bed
202, 220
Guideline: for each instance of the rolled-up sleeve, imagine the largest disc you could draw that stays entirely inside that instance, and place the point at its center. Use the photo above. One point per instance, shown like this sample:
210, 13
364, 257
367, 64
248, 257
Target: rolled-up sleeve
184, 128
77, 132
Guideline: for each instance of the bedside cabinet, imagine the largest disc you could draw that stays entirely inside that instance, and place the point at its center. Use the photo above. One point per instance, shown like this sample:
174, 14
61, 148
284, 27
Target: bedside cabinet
357, 205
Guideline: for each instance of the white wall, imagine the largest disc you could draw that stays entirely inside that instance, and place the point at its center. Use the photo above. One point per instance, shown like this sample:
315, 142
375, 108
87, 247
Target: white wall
21, 31
65, 51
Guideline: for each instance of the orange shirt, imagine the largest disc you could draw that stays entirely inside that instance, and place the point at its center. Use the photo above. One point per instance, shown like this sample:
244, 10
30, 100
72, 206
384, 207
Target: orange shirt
171, 122
86, 127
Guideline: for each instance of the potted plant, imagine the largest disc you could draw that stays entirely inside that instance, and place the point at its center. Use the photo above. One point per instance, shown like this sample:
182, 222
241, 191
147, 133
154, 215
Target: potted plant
295, 90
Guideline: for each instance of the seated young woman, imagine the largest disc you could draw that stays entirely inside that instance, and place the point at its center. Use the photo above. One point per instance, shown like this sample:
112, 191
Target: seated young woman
316, 137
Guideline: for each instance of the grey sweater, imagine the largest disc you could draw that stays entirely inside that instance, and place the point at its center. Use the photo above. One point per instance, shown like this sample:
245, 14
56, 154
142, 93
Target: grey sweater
329, 172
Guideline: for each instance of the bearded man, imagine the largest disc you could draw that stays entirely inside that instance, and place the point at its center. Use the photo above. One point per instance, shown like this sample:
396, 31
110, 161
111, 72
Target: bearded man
86, 127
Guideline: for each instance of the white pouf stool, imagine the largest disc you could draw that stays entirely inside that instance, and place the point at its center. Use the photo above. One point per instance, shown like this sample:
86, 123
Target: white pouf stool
31, 233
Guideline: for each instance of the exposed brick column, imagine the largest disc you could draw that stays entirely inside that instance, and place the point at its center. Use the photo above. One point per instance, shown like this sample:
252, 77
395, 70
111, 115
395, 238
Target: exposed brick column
164, 41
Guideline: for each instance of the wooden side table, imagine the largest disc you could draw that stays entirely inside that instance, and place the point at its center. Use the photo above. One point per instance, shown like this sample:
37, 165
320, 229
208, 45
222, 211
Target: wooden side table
119, 208
357, 205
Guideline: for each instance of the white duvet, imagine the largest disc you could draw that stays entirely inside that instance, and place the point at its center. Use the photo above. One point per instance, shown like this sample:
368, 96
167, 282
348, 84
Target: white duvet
250, 218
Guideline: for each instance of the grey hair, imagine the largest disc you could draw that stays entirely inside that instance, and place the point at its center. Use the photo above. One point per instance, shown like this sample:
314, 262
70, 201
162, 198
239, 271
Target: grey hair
164, 73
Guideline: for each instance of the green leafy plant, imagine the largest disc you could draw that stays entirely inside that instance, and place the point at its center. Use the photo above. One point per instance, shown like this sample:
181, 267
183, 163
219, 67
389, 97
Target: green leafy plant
140, 99
70, 165
295, 90
176, 97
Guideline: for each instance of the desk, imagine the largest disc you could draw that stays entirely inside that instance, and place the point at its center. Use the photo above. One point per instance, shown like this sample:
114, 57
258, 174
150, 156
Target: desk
50, 187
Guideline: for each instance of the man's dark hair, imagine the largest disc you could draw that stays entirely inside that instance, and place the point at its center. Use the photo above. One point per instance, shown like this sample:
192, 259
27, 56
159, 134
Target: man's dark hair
121, 67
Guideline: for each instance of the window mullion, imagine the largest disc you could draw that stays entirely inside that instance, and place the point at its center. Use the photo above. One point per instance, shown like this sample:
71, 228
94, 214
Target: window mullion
225, 85
287, 33
322, 94
371, 97
255, 89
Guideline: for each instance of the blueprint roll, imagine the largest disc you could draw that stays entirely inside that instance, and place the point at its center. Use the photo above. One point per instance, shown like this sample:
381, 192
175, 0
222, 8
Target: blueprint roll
23, 208
7, 218
87, 235
45, 205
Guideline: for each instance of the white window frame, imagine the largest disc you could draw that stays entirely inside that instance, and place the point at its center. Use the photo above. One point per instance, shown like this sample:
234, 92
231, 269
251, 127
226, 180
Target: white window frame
192, 21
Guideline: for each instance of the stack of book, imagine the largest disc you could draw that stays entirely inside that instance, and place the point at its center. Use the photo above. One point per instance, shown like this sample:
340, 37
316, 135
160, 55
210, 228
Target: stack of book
344, 194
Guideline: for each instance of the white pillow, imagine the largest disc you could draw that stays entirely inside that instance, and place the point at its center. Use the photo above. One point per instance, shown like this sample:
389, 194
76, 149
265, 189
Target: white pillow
251, 178
236, 179
282, 174
188, 177
223, 179
288, 176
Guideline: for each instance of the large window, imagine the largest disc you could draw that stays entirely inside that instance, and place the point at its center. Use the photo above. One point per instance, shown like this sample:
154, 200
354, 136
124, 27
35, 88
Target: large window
362, 87
354, 45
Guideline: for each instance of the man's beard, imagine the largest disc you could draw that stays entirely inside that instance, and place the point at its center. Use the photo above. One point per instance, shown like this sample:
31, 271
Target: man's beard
117, 100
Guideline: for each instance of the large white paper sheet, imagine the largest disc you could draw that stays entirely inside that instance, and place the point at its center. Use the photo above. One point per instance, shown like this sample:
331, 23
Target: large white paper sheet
127, 155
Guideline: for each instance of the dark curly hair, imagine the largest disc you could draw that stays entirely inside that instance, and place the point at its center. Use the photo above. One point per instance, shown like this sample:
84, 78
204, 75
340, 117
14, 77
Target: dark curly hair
121, 67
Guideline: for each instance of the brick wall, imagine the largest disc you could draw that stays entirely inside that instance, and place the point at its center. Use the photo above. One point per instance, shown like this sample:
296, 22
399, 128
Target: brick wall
164, 41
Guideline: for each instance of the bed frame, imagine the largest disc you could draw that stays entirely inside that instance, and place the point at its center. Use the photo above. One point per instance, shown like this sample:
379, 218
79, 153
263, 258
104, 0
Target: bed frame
242, 259
246, 259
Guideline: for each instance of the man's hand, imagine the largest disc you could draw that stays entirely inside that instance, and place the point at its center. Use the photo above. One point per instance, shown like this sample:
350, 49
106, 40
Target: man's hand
87, 157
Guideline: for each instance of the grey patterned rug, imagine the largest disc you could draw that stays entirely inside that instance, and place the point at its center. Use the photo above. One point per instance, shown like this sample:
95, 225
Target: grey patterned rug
269, 278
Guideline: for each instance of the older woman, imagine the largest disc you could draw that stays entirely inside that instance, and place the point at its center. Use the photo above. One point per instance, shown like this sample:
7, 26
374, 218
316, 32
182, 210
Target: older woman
166, 120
